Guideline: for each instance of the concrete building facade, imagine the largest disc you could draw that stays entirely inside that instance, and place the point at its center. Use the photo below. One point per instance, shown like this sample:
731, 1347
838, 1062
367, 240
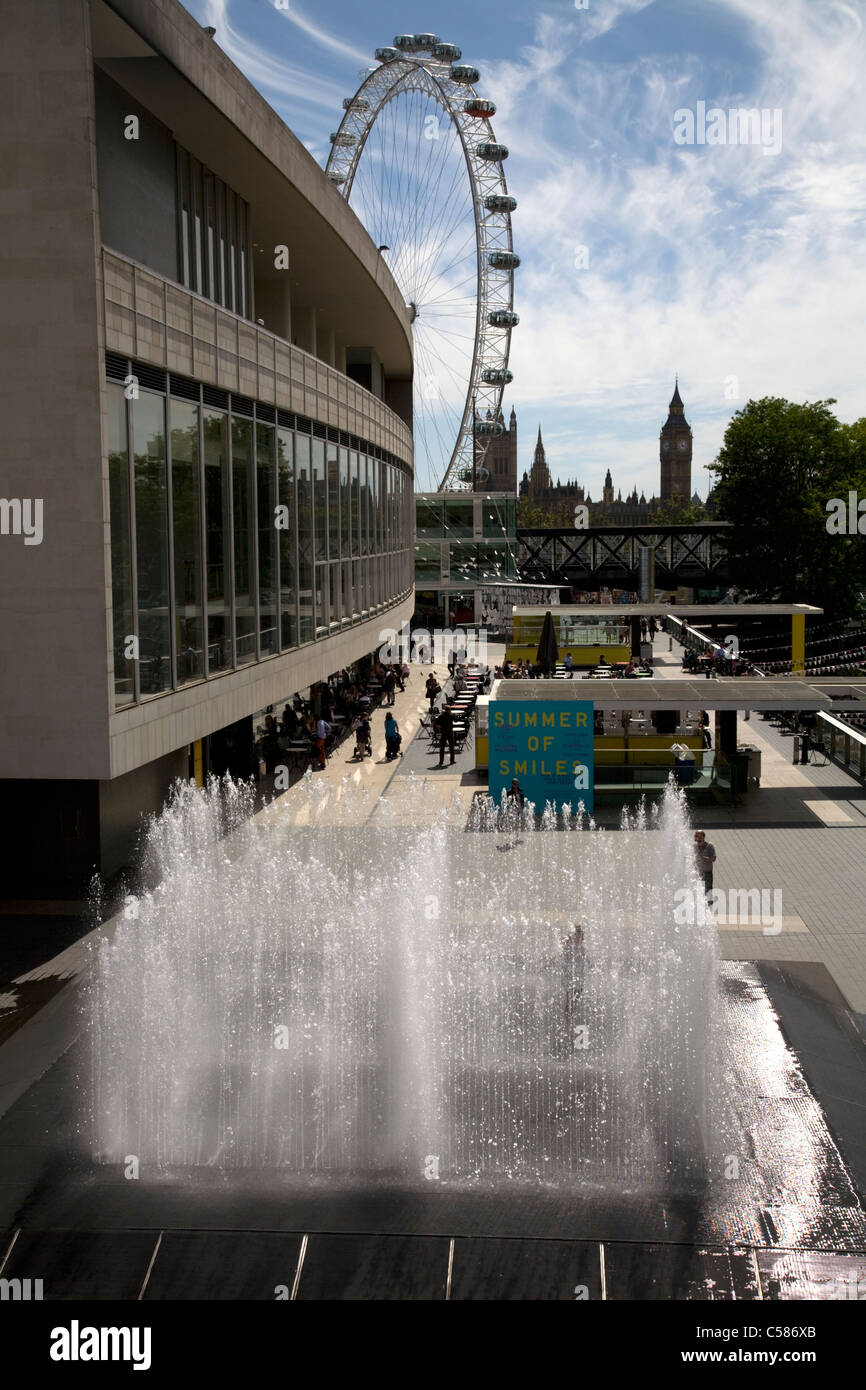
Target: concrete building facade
207, 383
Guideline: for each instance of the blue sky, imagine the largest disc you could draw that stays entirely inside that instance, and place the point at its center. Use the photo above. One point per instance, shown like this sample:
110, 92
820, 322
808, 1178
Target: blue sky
741, 266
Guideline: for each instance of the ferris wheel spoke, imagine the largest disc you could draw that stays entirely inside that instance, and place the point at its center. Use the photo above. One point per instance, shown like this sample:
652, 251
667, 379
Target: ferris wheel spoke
413, 166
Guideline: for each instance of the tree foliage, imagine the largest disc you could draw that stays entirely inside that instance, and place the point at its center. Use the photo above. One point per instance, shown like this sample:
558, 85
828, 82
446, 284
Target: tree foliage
780, 465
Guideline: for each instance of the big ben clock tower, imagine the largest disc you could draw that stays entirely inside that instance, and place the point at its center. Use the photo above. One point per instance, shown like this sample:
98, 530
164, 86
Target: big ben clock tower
675, 451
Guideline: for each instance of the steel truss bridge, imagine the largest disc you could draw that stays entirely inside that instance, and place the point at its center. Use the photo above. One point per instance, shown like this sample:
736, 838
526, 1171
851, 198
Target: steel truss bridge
688, 555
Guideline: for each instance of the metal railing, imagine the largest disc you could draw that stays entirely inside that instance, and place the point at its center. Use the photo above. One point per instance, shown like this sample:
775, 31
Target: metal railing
844, 744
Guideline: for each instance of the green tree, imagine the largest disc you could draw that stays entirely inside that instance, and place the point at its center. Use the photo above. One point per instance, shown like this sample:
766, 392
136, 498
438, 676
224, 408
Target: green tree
779, 466
678, 510
532, 514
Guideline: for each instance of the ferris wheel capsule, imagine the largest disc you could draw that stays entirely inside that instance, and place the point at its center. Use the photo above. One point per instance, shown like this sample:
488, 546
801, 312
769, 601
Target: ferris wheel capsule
497, 376
355, 104
479, 108
342, 141
503, 260
386, 55
448, 53
493, 153
407, 43
503, 318
500, 202
488, 429
427, 40
338, 179
462, 72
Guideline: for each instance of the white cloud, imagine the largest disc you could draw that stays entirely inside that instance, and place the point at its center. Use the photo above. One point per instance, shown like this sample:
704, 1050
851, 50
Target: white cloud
718, 262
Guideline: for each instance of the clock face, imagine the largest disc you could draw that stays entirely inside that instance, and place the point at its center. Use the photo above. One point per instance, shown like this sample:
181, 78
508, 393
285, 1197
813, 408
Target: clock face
666, 445
682, 444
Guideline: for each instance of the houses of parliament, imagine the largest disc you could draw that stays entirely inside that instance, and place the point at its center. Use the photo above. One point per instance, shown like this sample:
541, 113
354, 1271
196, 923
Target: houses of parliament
537, 486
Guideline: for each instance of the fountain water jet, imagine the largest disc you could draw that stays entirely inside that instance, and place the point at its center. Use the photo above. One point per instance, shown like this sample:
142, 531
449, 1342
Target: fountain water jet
360, 995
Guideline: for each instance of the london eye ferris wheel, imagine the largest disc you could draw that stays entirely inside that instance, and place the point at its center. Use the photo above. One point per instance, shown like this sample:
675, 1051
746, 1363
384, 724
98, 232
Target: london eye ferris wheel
416, 157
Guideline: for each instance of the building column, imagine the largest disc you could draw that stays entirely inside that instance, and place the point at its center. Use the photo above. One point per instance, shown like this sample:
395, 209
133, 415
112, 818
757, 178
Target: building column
798, 644
726, 731
304, 320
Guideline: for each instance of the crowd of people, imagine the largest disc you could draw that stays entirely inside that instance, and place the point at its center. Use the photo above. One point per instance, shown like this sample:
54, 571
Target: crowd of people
330, 710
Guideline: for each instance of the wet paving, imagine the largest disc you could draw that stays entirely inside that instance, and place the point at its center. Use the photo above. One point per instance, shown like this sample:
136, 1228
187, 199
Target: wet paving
779, 1216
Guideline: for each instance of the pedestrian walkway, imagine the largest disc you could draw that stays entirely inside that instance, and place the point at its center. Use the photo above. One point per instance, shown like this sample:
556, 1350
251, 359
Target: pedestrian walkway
801, 834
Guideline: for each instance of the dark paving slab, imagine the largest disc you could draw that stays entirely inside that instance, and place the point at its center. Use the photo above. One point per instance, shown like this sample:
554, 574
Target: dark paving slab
374, 1267
28, 940
829, 1042
678, 1272
225, 1265
80, 1264
522, 1270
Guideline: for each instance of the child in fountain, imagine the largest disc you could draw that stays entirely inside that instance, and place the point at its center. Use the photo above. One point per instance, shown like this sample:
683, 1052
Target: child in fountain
573, 969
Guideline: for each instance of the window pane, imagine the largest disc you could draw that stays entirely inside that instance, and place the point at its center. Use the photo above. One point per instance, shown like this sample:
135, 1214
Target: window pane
266, 501
197, 225
217, 533
243, 306
151, 541
287, 540
320, 506
323, 607
375, 528
333, 503
186, 516
354, 488
345, 504
242, 482
364, 494
121, 552
183, 171
305, 536
428, 520
222, 288
210, 222
348, 601
458, 519
231, 244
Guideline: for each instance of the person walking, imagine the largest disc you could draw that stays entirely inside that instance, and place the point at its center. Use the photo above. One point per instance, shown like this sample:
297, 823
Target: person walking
361, 728
392, 738
446, 735
706, 736
705, 857
432, 689
323, 728
388, 686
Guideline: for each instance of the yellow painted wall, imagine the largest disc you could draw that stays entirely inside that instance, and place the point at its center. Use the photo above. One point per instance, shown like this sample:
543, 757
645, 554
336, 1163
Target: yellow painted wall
610, 749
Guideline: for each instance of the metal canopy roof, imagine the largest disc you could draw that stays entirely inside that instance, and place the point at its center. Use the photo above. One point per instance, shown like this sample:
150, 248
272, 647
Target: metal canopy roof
723, 693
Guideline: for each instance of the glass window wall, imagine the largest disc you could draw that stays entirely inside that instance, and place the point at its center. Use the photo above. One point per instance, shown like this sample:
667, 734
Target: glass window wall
303, 468
244, 540
287, 538
233, 539
151, 543
123, 621
266, 502
217, 513
186, 520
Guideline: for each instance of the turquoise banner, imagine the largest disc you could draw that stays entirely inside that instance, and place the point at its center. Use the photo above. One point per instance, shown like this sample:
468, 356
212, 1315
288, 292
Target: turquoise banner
548, 746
